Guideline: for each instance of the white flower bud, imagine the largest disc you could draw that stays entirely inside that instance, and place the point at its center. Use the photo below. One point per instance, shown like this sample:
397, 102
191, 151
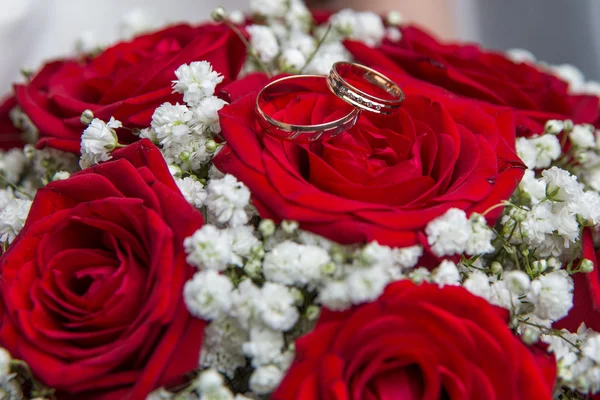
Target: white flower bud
219, 14
587, 265
209, 380
496, 268
312, 312
554, 127
530, 335
211, 146
394, 18
86, 117
266, 227
61, 175
289, 227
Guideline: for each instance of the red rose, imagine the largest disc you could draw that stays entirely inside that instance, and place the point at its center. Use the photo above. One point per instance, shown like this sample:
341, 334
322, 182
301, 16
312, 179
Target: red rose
386, 178
417, 342
127, 81
92, 286
471, 72
10, 137
586, 296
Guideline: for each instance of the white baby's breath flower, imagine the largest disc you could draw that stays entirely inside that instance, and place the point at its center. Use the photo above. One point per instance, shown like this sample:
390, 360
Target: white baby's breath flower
552, 295
292, 60
171, 123
547, 149
589, 207
244, 241
206, 114
535, 188
61, 176
562, 186
12, 219
12, 164
227, 199
449, 233
189, 155
324, 58
407, 257
366, 284
526, 152
276, 307
570, 74
290, 263
301, 41
335, 296
517, 282
222, 345
97, 141
446, 274
364, 26
591, 347
503, 297
192, 190
520, 55
196, 81
6, 196
480, 240
245, 299
209, 248
265, 346
269, 8
582, 136
150, 134
265, 379
263, 41
478, 283
208, 294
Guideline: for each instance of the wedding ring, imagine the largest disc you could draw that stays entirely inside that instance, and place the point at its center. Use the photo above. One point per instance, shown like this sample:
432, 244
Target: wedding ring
364, 88
278, 118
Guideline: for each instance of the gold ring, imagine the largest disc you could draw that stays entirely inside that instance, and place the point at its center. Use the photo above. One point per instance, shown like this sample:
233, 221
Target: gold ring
365, 88
300, 132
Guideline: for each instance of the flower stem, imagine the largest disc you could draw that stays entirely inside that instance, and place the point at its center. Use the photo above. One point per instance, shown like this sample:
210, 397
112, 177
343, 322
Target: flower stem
321, 41
249, 48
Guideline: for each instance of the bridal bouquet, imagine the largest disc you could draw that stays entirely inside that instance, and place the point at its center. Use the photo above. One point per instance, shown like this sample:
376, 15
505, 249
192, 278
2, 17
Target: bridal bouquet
157, 243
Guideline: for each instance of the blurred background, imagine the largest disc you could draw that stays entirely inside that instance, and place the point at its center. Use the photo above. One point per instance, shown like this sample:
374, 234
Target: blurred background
555, 31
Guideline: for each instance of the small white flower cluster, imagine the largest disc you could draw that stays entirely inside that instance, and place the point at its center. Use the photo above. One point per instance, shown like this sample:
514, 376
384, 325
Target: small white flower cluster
557, 208
256, 292
99, 139
452, 233
577, 357
539, 151
545, 299
185, 132
365, 26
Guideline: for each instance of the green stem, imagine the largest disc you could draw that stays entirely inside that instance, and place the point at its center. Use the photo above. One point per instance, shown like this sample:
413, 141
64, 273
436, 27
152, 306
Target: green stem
15, 187
249, 48
321, 41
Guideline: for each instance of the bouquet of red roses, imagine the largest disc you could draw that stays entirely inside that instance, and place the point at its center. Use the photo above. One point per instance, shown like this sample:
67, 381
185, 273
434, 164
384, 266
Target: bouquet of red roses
297, 205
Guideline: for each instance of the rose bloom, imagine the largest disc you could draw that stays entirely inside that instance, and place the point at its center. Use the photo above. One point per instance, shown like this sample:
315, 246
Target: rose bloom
92, 286
469, 71
10, 137
127, 81
387, 177
417, 342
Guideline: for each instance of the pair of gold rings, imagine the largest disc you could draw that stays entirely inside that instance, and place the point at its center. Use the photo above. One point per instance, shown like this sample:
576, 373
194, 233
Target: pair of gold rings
356, 88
